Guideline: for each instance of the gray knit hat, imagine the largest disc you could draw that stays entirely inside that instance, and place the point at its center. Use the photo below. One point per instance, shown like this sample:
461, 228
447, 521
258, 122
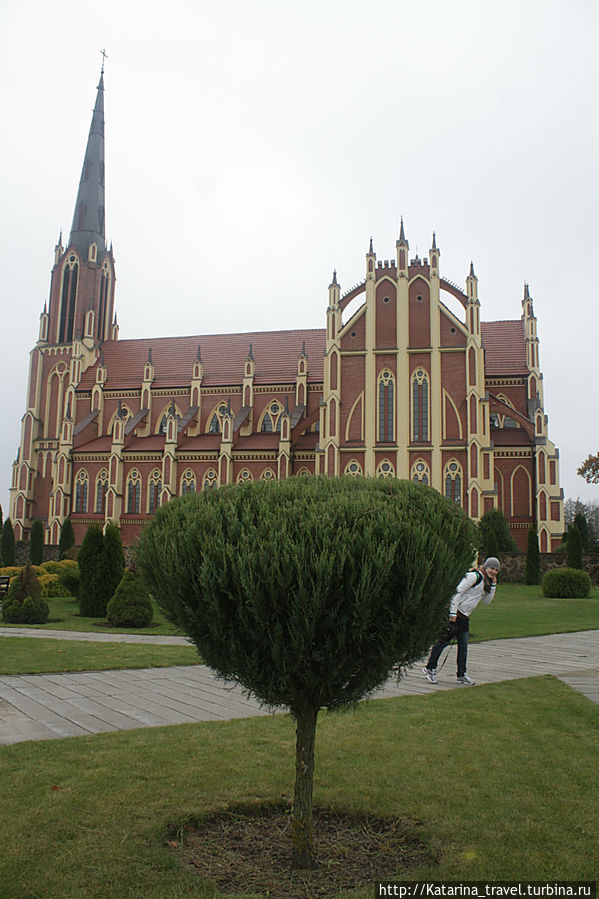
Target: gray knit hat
492, 562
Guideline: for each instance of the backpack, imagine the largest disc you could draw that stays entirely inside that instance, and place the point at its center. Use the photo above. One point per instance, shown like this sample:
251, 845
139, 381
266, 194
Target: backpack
479, 576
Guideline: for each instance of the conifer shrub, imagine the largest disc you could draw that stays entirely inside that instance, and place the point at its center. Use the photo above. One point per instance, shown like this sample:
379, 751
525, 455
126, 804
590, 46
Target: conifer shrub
36, 543
495, 534
53, 586
566, 583
54, 567
574, 548
24, 603
533, 559
113, 562
8, 543
131, 605
66, 539
308, 591
92, 601
10, 570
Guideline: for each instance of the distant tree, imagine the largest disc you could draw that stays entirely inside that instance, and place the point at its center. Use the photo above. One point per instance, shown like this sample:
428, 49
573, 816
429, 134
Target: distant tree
574, 547
113, 562
8, 543
66, 540
36, 543
589, 469
580, 521
495, 535
533, 559
307, 591
92, 601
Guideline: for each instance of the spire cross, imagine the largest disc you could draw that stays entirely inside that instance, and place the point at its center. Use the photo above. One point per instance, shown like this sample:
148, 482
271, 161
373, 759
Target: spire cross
104, 58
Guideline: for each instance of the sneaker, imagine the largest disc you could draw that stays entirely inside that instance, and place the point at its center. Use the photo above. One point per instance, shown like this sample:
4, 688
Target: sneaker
465, 680
430, 674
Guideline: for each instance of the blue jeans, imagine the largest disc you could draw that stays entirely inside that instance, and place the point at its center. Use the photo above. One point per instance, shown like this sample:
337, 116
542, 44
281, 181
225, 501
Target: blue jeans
462, 635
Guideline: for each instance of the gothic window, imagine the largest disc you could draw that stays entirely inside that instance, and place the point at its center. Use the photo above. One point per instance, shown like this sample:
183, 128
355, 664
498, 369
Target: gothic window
303, 472
210, 481
386, 407
103, 306
353, 468
453, 481
81, 486
101, 488
216, 420
420, 406
420, 472
244, 476
271, 419
133, 493
385, 470
164, 419
154, 491
70, 276
268, 475
188, 482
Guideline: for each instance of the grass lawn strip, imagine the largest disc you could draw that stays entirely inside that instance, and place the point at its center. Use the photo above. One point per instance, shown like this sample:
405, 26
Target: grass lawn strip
501, 780
32, 655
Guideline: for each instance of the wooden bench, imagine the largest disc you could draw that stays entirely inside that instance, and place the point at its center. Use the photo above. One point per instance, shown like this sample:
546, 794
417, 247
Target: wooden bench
4, 585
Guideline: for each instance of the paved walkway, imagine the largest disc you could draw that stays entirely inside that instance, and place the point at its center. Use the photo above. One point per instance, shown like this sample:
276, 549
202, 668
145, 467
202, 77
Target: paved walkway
49, 706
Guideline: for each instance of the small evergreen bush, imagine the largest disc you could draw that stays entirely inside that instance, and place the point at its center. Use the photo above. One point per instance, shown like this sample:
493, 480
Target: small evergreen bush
574, 548
131, 605
113, 562
8, 543
24, 603
566, 583
66, 540
53, 567
10, 570
36, 543
92, 602
53, 586
533, 559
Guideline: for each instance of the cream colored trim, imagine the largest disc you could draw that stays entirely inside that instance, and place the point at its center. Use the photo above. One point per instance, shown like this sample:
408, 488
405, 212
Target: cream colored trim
359, 399
447, 395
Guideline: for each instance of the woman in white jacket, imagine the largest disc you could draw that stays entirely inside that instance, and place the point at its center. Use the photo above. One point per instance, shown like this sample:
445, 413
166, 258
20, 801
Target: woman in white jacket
475, 586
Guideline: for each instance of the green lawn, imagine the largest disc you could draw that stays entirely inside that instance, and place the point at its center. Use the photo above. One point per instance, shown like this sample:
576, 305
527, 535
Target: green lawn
34, 655
503, 779
522, 611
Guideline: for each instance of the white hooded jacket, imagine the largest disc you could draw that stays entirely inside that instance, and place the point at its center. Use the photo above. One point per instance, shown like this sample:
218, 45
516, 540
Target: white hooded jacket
469, 593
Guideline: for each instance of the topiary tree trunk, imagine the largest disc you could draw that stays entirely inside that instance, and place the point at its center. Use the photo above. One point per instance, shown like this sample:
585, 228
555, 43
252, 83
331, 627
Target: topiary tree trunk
308, 591
36, 543
533, 559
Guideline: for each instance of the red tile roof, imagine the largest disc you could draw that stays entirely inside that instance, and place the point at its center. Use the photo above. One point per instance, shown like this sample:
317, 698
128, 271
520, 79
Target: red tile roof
223, 355
505, 352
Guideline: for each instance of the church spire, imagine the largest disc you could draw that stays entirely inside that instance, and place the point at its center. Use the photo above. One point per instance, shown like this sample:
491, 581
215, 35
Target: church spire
88, 218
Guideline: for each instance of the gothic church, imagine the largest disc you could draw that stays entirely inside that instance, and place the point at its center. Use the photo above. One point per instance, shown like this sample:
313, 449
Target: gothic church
403, 381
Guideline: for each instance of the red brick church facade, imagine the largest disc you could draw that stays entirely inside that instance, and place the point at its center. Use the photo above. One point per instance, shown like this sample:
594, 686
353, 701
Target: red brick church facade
404, 381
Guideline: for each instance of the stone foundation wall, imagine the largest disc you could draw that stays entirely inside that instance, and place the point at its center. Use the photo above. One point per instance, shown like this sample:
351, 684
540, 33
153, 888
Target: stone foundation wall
513, 565
22, 553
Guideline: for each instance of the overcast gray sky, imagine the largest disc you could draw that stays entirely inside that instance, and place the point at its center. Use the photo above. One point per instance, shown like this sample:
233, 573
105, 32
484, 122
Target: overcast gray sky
252, 147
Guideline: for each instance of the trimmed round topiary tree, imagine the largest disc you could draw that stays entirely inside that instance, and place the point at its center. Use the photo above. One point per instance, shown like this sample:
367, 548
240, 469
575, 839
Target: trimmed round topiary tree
533, 559
566, 583
36, 543
24, 603
131, 605
308, 591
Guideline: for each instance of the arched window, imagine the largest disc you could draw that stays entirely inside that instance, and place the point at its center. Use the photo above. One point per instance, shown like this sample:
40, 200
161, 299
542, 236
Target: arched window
271, 418
210, 481
188, 482
216, 419
154, 490
453, 481
420, 472
101, 488
353, 468
244, 476
420, 406
133, 493
386, 407
268, 475
70, 276
81, 490
385, 470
